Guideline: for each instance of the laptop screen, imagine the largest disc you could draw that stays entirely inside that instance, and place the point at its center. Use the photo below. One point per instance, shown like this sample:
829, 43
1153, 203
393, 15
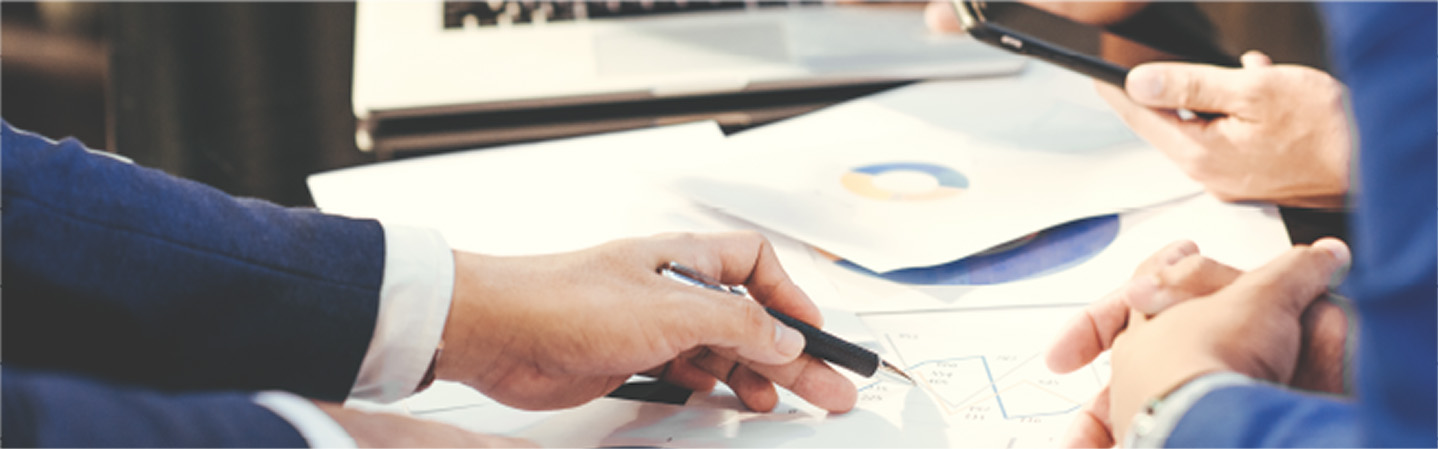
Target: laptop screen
473, 14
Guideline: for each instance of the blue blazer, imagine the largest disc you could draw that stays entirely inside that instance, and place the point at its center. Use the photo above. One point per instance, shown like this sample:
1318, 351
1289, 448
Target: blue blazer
1385, 53
131, 298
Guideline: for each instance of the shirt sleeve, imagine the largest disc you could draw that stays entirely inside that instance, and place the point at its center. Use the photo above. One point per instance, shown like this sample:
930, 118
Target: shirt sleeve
413, 306
316, 427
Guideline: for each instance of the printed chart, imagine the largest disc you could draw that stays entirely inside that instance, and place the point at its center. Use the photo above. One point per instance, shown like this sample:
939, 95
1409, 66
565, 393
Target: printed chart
984, 372
982, 383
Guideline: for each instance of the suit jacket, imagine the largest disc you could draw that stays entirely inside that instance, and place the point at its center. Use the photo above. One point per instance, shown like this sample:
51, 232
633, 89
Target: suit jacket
148, 293
1385, 54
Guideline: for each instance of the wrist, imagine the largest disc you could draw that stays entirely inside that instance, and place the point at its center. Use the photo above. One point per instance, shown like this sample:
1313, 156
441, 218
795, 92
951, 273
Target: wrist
1129, 404
463, 332
1155, 422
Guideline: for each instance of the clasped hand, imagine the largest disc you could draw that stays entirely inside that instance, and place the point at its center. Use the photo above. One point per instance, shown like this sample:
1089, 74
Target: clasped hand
1183, 315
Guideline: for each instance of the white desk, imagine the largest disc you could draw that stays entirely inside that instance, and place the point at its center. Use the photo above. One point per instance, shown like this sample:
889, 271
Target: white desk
974, 346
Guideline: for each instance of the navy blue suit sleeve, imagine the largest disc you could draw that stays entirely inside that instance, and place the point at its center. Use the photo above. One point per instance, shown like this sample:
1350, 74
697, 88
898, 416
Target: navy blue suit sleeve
1387, 55
50, 410
1265, 416
129, 274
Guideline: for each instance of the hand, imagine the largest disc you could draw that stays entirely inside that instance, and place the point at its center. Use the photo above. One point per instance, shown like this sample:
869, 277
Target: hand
1091, 332
1282, 137
939, 15
391, 430
1250, 326
559, 330
1175, 274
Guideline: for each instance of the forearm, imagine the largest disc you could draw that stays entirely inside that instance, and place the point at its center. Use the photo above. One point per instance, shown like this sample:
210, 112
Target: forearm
52, 410
134, 275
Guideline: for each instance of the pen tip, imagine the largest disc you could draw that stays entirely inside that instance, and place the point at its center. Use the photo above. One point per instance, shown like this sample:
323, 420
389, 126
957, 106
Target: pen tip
896, 372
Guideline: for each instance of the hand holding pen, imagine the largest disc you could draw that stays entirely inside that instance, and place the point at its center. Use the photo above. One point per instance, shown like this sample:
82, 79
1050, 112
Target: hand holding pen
818, 343
557, 330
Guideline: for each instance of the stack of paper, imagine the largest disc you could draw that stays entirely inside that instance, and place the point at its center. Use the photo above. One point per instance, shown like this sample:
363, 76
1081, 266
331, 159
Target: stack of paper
934, 172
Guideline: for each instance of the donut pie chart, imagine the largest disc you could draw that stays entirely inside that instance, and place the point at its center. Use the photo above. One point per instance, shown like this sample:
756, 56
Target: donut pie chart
904, 181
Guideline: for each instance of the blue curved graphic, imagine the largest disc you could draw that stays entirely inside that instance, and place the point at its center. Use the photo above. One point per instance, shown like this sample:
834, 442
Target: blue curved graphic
1050, 250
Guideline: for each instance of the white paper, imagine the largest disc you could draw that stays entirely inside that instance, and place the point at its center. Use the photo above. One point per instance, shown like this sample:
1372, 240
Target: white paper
1014, 159
980, 385
1241, 235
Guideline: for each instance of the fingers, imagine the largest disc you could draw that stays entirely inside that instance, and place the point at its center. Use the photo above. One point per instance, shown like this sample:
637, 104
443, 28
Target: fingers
1088, 334
1188, 278
939, 15
1291, 282
1255, 58
682, 372
743, 257
1091, 428
1092, 331
813, 380
1197, 87
807, 377
743, 326
1166, 256
728, 321
1321, 365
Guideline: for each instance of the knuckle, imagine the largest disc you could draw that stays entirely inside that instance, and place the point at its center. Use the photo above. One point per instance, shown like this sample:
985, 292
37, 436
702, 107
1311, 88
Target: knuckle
756, 320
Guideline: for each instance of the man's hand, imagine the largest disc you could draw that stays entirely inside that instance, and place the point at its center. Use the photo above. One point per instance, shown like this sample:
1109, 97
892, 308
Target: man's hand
391, 430
1282, 137
1172, 275
1250, 327
559, 330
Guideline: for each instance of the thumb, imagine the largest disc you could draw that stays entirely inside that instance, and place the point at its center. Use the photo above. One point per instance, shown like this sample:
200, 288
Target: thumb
1293, 280
743, 326
1197, 87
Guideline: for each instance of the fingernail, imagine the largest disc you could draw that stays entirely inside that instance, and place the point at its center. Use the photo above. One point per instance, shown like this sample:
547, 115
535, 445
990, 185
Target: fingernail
1145, 83
1335, 248
788, 341
1340, 253
1180, 252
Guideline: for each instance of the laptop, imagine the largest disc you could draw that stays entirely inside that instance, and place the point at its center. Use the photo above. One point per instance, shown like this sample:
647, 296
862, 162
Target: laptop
433, 74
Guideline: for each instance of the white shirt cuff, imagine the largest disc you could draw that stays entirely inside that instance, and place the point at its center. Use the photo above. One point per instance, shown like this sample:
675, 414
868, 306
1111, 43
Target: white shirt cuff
1151, 427
317, 428
413, 306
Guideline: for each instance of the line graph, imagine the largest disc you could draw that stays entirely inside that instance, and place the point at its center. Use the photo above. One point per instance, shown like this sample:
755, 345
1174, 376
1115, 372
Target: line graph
977, 373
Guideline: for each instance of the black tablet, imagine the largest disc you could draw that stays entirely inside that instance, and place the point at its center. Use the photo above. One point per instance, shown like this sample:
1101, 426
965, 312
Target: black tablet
1084, 48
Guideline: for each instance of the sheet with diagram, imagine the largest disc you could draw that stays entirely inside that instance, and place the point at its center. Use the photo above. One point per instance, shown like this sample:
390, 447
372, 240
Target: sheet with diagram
980, 385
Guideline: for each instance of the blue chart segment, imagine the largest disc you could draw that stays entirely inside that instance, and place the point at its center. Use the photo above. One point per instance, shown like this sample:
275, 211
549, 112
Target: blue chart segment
1047, 251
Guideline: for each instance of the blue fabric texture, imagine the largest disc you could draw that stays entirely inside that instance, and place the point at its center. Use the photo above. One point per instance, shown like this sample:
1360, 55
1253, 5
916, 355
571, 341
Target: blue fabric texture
58, 410
128, 275
1387, 54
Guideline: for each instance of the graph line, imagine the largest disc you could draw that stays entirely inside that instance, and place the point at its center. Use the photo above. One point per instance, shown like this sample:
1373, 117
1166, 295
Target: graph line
993, 386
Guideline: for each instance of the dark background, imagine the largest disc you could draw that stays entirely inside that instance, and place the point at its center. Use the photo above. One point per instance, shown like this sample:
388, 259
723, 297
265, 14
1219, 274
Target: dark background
247, 97
253, 97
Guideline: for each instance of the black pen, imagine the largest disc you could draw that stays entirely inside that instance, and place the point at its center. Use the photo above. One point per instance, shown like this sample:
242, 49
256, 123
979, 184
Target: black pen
817, 343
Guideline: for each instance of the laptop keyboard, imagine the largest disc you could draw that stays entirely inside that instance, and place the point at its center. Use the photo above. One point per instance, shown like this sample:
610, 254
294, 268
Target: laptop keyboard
493, 13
